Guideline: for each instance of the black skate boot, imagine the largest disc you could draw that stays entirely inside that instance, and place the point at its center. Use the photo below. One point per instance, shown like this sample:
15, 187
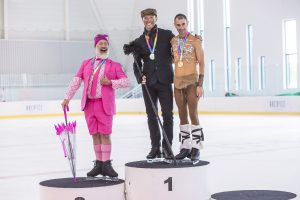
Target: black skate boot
167, 154
153, 154
107, 170
195, 155
96, 170
186, 143
198, 138
182, 154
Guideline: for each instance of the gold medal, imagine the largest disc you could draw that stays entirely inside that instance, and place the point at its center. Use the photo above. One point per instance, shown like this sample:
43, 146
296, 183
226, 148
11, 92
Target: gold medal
180, 64
152, 57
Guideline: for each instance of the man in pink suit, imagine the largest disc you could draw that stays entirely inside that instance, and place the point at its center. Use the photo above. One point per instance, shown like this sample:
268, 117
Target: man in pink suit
101, 76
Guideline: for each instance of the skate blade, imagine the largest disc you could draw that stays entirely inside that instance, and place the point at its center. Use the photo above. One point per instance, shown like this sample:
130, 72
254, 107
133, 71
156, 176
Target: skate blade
154, 160
183, 161
91, 178
169, 161
195, 162
107, 178
104, 178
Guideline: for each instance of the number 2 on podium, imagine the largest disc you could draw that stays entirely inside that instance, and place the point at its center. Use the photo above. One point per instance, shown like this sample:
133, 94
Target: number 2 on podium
169, 181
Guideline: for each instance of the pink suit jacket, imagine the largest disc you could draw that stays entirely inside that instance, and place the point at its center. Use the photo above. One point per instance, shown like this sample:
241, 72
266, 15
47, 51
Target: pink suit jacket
112, 71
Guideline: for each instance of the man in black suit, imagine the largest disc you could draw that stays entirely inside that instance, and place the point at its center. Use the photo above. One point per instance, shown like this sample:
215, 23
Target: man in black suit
157, 74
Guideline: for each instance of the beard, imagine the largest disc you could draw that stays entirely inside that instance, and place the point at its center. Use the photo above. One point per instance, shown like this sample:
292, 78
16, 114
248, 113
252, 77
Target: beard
102, 54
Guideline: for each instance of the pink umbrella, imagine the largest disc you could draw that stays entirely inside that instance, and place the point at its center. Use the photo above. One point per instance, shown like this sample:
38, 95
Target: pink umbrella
66, 132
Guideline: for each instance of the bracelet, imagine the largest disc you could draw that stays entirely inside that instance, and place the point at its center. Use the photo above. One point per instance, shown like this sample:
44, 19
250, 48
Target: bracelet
200, 80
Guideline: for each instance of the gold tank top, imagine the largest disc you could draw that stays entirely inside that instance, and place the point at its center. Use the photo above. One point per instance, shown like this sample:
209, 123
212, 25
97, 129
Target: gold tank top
187, 74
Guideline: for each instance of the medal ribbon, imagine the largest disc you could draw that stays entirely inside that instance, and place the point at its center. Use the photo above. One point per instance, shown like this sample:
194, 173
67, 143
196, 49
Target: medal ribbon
98, 65
154, 44
179, 48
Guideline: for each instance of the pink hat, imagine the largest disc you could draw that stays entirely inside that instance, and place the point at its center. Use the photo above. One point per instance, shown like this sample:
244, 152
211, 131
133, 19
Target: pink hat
99, 37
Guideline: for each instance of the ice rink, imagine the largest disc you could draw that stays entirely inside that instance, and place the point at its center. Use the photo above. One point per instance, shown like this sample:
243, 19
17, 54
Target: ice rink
245, 151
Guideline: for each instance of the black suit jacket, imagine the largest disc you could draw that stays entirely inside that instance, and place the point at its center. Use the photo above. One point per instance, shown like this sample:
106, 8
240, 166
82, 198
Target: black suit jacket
160, 69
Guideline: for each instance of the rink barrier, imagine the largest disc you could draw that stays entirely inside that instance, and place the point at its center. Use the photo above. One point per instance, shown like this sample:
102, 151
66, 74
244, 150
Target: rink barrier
143, 113
82, 189
148, 181
277, 105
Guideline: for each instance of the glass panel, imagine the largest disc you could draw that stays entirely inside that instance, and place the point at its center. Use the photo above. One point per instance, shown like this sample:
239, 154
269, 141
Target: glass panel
190, 15
291, 68
238, 73
211, 75
261, 72
226, 4
249, 56
227, 59
290, 37
290, 54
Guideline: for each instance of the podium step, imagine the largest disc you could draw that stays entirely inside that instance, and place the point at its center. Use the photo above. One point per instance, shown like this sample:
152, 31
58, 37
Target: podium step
82, 189
253, 195
160, 180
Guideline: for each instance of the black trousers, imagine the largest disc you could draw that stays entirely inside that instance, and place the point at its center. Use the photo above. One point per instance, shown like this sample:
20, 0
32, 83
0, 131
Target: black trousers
164, 94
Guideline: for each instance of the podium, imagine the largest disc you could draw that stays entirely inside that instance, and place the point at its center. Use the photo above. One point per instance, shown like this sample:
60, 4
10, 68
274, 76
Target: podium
143, 181
66, 189
159, 180
254, 195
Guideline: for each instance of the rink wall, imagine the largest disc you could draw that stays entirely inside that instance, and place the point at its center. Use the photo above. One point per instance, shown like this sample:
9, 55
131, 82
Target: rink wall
289, 105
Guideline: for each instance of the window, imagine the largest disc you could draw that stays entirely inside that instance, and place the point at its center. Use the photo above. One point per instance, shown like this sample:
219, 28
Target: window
238, 73
249, 57
226, 11
227, 59
261, 73
211, 75
200, 17
290, 54
190, 15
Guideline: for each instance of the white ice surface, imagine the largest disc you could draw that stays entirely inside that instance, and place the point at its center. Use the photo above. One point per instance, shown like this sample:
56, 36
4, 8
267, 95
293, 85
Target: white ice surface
245, 152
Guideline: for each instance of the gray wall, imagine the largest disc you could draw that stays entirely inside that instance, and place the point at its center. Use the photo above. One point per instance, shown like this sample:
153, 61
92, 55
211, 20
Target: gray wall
266, 17
214, 42
1, 19
46, 40
49, 38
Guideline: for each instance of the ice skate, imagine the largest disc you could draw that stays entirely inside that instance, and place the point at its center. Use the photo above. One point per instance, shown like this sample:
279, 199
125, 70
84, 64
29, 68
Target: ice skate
104, 178
183, 154
97, 170
186, 143
154, 155
108, 172
103, 168
195, 155
198, 137
167, 156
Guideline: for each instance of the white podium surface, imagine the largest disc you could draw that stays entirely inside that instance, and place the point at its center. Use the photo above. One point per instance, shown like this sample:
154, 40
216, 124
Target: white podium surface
154, 181
66, 189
